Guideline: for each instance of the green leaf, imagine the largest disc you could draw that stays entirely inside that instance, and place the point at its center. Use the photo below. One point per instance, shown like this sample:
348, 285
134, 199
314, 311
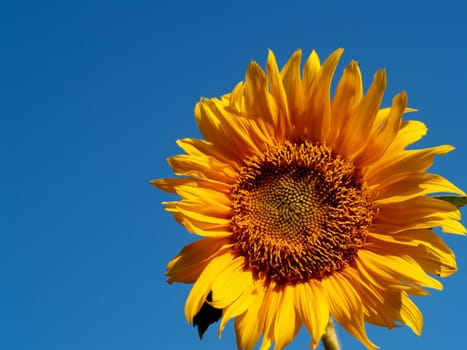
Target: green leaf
456, 200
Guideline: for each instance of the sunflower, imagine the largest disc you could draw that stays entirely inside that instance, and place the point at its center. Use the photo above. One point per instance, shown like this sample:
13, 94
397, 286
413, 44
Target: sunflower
309, 207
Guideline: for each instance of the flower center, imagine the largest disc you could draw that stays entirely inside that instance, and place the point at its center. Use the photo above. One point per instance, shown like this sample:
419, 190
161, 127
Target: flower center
300, 212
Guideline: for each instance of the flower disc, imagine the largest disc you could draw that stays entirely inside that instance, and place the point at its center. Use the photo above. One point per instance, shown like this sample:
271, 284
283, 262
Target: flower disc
300, 212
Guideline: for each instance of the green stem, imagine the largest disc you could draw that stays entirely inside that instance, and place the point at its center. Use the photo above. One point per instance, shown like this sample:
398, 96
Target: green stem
329, 339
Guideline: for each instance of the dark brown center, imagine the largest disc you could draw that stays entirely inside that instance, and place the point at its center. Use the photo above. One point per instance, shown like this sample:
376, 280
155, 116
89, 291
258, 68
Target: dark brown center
299, 212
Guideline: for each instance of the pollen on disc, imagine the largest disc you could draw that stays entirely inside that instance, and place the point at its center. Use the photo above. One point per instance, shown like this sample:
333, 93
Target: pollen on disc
299, 212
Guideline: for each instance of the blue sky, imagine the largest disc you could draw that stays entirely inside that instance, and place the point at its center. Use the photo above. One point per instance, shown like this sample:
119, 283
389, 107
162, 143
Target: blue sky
93, 96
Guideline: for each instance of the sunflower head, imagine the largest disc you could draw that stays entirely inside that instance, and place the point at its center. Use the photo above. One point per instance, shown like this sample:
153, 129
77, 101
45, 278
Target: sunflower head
308, 206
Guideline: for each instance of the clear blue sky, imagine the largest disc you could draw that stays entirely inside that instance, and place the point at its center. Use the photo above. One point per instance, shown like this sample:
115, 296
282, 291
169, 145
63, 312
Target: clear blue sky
93, 95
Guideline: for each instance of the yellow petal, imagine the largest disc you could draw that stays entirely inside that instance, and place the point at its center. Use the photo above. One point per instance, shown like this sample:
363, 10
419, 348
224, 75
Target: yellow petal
310, 71
346, 307
193, 258
295, 96
348, 95
411, 186
231, 284
214, 214
411, 315
218, 125
398, 164
200, 192
312, 308
380, 304
425, 246
194, 213
268, 314
318, 107
259, 104
237, 100
384, 306
202, 167
238, 307
383, 135
397, 269
410, 132
354, 134
286, 324
198, 147
282, 123
420, 212
202, 286
199, 224
170, 185
248, 327
266, 343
